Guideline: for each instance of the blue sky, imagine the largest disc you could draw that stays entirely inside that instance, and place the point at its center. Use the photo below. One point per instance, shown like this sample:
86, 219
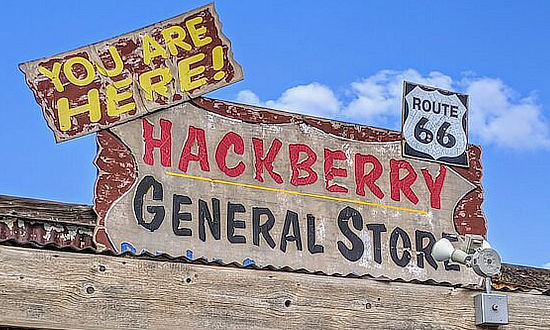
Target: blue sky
328, 58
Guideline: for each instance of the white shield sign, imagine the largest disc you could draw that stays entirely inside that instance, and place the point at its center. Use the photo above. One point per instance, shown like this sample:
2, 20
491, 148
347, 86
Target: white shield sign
435, 124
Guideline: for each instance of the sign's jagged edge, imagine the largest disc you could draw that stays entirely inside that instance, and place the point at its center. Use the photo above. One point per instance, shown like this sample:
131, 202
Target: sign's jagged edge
252, 114
102, 196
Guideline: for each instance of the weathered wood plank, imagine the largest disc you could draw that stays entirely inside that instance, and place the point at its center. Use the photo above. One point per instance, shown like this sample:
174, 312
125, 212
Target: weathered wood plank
35, 213
27, 208
54, 289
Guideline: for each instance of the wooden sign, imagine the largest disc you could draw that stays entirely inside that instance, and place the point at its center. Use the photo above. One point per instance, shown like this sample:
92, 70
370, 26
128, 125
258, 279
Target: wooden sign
114, 81
225, 182
435, 124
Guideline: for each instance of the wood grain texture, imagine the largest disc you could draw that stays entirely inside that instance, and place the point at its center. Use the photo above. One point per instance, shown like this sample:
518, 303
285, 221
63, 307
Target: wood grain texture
53, 289
90, 83
33, 209
32, 212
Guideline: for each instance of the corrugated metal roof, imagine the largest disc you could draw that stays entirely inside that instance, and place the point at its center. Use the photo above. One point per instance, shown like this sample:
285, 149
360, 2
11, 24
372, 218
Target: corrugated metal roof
44, 222
69, 227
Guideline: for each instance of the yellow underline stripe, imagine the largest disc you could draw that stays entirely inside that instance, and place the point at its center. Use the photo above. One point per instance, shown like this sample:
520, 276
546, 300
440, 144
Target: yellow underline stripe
298, 193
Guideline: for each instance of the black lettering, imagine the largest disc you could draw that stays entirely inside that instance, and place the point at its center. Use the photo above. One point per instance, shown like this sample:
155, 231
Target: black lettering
177, 201
377, 230
448, 265
406, 257
357, 248
426, 105
213, 221
232, 223
454, 111
416, 103
291, 219
437, 110
311, 246
264, 228
424, 251
445, 109
143, 187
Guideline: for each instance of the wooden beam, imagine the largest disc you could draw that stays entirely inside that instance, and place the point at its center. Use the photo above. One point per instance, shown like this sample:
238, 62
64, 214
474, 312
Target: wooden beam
38, 221
40, 210
53, 289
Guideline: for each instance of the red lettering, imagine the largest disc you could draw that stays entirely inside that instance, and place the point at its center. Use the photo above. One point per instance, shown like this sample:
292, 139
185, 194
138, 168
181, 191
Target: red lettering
294, 151
194, 135
235, 140
266, 161
331, 172
435, 186
398, 184
369, 179
164, 143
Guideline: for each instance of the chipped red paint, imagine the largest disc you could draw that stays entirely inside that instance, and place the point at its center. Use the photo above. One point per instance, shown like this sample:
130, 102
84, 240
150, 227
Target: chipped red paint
117, 172
130, 49
250, 114
247, 114
468, 215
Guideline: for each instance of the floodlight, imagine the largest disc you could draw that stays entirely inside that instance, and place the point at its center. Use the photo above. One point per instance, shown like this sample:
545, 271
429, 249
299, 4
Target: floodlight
486, 262
476, 252
443, 250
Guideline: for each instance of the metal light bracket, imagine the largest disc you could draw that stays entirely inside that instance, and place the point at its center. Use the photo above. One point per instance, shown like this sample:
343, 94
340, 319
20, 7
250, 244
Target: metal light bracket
472, 243
491, 309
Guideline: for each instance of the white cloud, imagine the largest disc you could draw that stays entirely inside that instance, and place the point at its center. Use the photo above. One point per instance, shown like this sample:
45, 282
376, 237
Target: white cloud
546, 265
312, 99
377, 99
248, 97
498, 114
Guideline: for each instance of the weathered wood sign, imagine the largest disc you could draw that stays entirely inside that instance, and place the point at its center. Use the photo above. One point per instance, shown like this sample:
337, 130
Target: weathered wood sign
220, 181
113, 81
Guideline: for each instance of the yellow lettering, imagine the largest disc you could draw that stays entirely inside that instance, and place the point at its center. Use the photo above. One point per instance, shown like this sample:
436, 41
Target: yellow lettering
118, 64
172, 42
69, 73
149, 53
196, 33
146, 82
217, 62
65, 113
53, 75
186, 73
114, 97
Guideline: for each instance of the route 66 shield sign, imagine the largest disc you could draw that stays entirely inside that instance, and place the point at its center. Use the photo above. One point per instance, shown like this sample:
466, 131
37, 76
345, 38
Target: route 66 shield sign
435, 124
